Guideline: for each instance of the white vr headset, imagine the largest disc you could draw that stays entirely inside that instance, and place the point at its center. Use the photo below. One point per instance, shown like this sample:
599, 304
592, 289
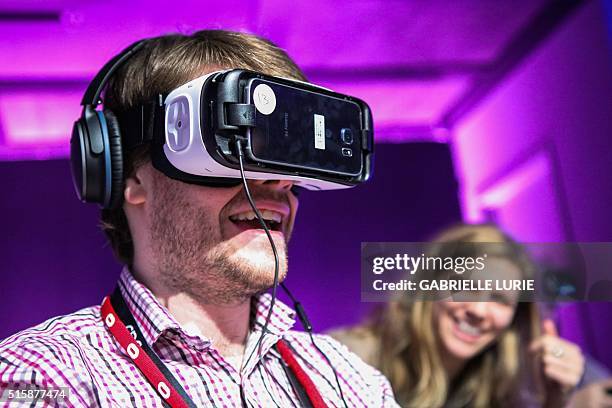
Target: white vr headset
286, 129
290, 130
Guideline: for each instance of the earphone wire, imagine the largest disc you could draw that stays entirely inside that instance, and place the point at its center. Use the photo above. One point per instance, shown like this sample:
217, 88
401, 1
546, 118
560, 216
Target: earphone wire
308, 327
297, 305
276, 261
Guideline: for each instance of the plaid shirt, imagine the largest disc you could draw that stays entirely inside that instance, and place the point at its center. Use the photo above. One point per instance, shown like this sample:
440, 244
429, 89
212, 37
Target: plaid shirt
77, 351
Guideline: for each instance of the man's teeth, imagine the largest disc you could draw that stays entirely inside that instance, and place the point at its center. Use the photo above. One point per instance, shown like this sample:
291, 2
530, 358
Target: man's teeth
468, 329
271, 216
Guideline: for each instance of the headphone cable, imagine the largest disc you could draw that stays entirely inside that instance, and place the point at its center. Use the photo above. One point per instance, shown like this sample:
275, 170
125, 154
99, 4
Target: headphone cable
296, 304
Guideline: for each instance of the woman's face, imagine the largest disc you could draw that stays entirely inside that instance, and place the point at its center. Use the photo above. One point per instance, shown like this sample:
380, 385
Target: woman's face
464, 329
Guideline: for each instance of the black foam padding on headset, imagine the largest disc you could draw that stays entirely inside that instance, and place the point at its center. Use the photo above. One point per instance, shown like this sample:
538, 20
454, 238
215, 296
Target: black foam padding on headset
77, 160
116, 156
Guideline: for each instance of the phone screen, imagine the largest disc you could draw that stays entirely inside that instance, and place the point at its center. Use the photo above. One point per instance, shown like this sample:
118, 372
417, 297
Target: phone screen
304, 129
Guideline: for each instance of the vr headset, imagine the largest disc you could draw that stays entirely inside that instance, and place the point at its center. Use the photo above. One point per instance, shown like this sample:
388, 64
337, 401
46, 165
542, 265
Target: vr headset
288, 130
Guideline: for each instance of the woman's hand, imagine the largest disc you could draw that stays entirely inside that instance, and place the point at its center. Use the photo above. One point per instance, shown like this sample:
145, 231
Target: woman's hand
562, 361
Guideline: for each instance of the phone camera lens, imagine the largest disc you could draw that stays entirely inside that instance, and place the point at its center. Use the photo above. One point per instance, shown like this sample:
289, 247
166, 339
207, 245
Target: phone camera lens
346, 135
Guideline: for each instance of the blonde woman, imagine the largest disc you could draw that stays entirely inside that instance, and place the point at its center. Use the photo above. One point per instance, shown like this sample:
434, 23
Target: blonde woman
470, 354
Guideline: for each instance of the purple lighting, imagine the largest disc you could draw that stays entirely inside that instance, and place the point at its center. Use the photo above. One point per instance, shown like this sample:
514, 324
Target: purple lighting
502, 107
36, 124
373, 49
38, 117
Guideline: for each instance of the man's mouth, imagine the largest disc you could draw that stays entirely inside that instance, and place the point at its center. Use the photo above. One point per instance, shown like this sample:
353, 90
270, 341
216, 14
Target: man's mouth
248, 220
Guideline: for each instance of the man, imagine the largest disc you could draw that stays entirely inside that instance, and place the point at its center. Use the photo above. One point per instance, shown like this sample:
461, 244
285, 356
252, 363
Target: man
196, 268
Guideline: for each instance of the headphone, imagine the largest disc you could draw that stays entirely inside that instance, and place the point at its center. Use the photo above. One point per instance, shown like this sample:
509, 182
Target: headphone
96, 154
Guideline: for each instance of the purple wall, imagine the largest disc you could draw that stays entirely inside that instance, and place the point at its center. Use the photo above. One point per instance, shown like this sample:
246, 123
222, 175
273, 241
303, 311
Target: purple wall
535, 154
54, 258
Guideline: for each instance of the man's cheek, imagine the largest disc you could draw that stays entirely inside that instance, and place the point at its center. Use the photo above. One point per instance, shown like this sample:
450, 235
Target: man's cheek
224, 227
294, 204
288, 230
292, 223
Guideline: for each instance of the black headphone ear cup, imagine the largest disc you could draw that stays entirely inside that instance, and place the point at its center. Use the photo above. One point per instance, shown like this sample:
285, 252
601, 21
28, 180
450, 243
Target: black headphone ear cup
116, 157
87, 157
77, 160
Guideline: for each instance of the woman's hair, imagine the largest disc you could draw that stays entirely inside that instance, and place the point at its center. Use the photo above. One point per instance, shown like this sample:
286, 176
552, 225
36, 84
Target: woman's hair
409, 353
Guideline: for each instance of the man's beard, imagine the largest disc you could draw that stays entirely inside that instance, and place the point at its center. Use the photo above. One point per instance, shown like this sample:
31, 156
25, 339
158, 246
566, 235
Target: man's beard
192, 257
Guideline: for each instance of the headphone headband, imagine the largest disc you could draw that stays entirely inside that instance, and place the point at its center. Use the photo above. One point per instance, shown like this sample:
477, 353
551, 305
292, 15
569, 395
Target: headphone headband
92, 94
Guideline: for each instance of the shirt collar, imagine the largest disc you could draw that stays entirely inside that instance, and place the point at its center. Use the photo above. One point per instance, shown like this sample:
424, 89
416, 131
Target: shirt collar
152, 317
156, 321
281, 320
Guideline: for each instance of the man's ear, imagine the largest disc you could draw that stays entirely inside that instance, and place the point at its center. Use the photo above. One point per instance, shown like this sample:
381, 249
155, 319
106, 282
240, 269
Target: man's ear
136, 186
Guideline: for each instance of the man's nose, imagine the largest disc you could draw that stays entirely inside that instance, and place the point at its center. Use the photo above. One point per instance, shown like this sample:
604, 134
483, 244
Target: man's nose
277, 185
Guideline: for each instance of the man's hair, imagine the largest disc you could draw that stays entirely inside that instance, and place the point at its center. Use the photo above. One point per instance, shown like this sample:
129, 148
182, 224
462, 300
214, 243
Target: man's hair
165, 63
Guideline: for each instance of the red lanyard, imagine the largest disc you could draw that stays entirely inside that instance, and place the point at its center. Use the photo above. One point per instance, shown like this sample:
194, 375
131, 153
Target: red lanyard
157, 373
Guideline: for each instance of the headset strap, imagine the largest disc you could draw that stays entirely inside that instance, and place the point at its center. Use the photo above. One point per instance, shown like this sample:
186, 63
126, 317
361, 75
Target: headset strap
240, 114
142, 124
